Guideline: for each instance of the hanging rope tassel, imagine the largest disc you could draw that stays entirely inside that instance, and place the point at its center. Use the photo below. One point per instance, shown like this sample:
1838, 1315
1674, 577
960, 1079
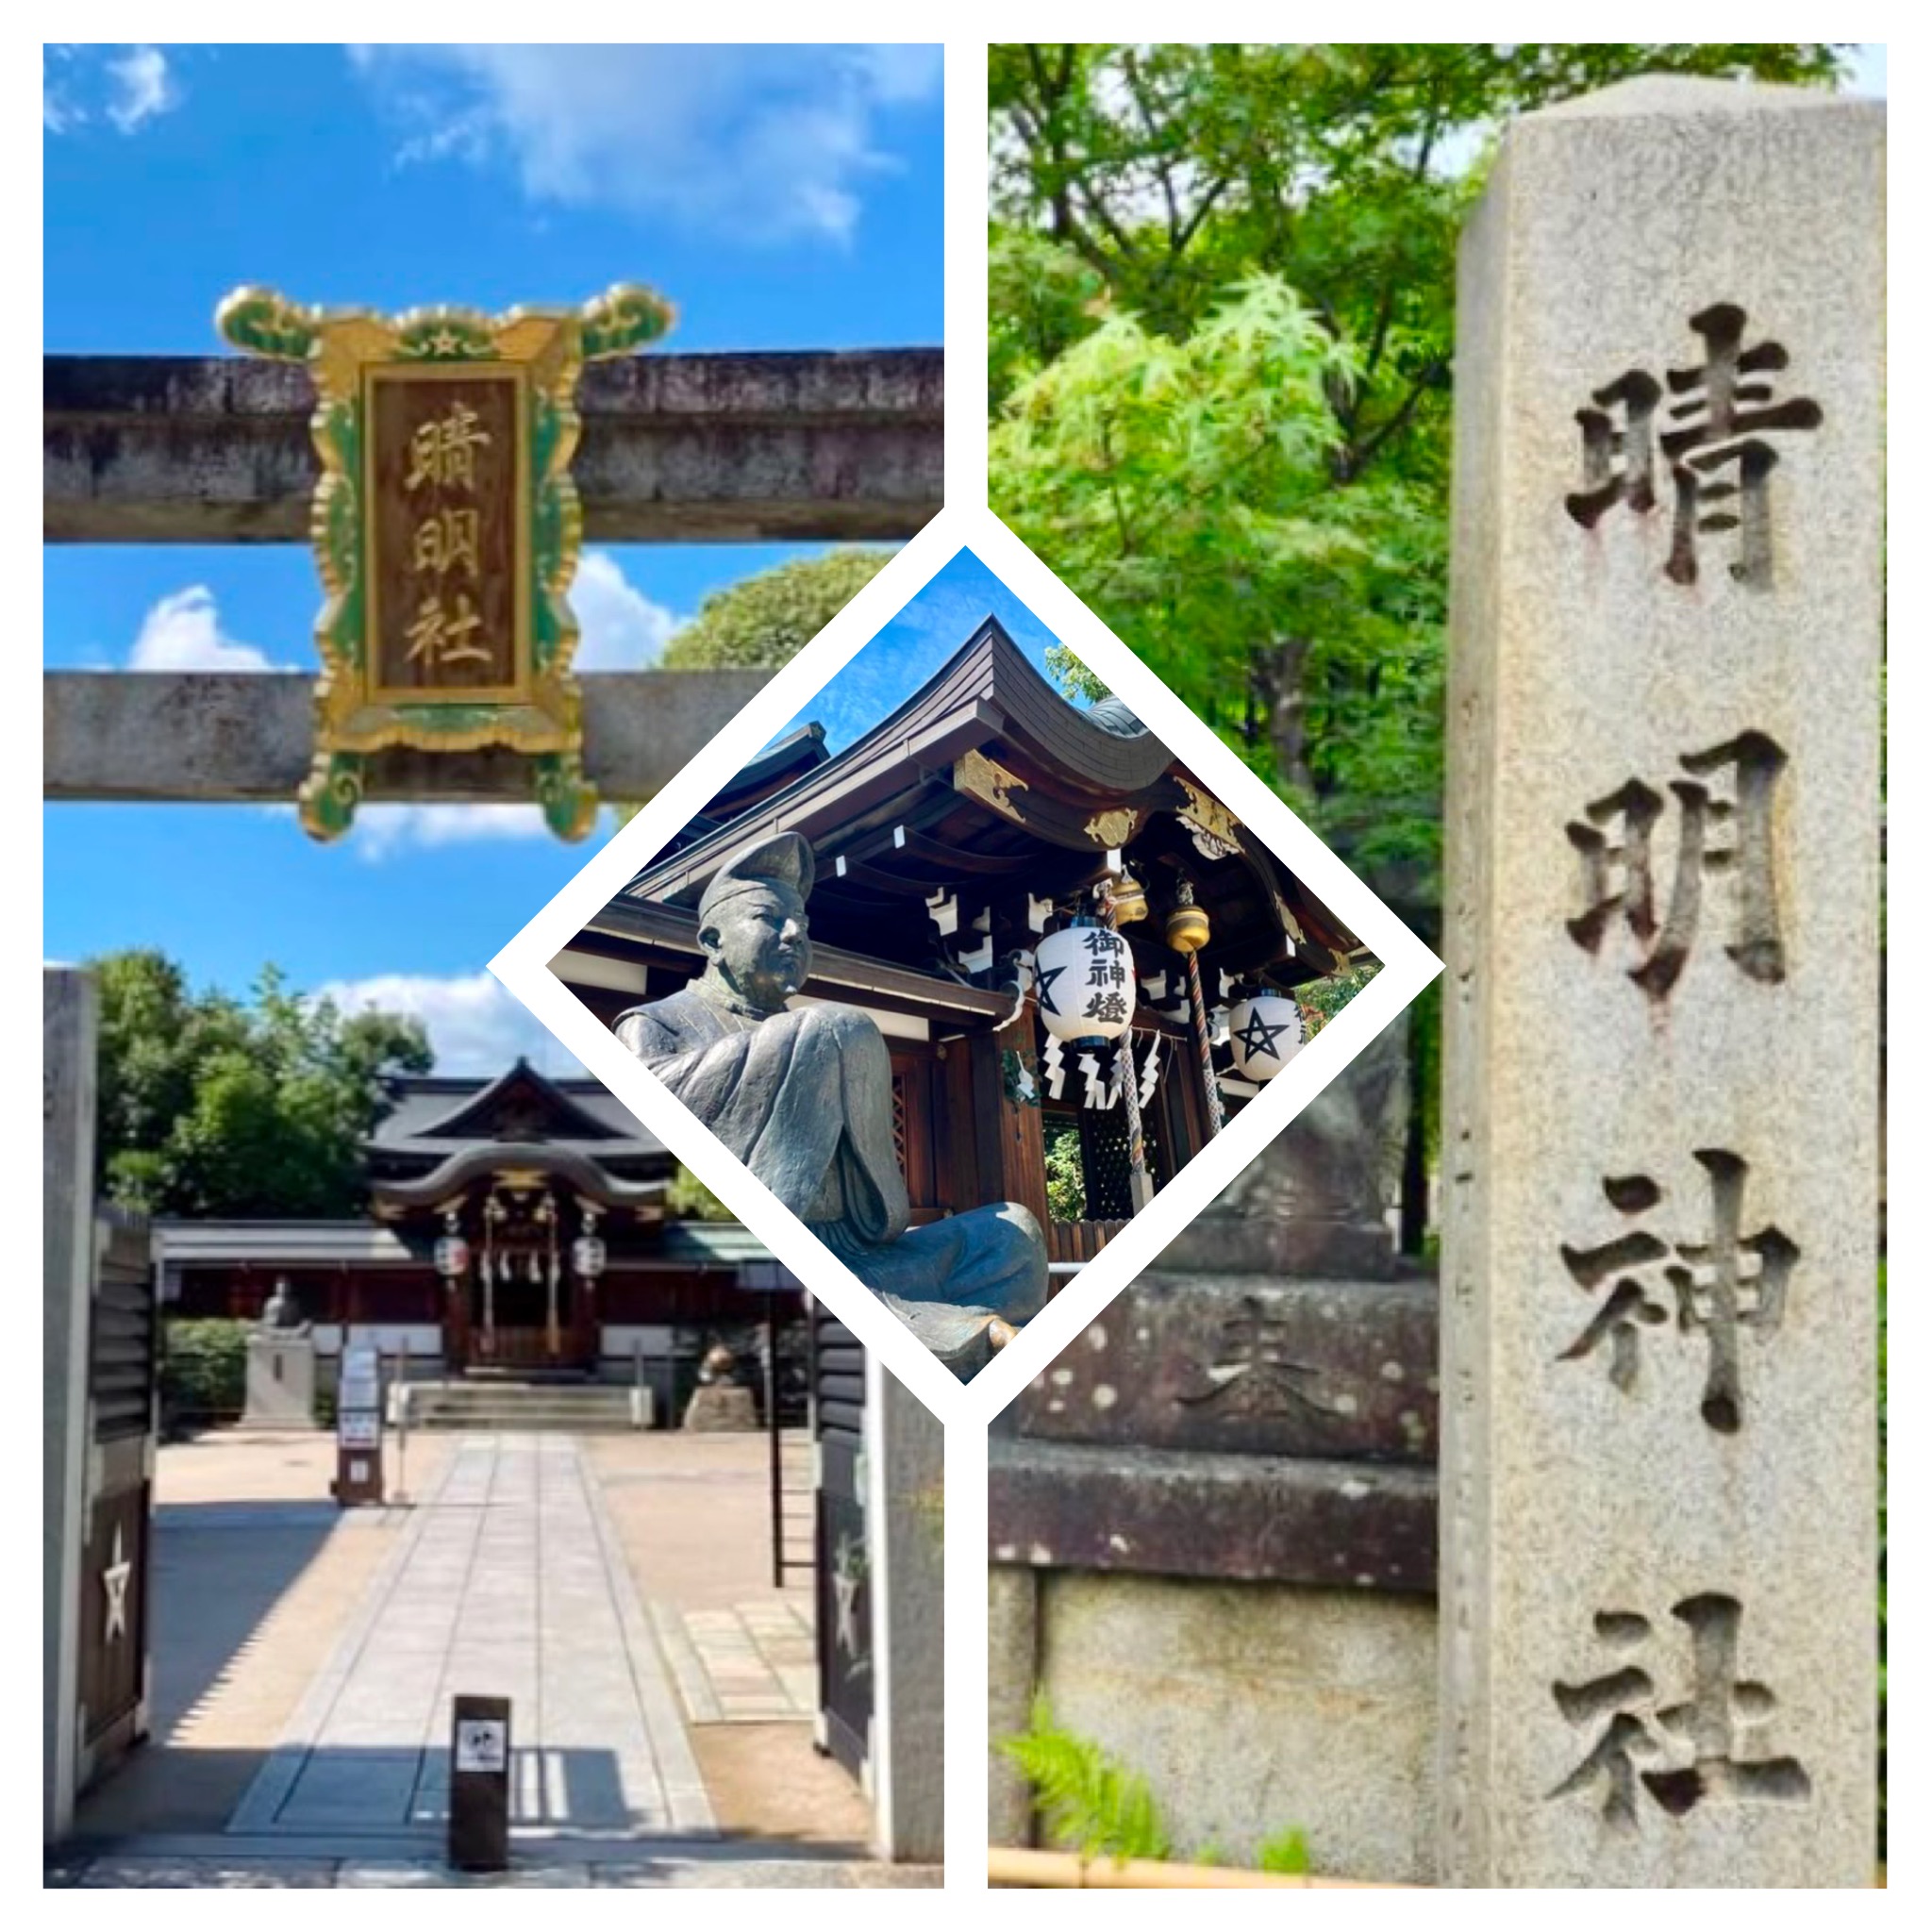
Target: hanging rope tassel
1209, 1085
1140, 1181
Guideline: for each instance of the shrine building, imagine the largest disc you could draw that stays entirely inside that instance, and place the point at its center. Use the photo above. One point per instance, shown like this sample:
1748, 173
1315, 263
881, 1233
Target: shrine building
516, 1227
951, 842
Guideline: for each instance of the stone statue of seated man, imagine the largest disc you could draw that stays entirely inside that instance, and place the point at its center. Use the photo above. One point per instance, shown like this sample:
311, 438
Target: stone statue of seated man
282, 1314
804, 1099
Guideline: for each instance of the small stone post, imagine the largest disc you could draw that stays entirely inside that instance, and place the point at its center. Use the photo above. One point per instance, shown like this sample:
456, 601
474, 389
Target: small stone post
69, 1033
1658, 1585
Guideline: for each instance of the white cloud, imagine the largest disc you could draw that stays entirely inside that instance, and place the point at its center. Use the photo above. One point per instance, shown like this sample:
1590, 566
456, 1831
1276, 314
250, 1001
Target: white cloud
621, 629
385, 831
128, 86
767, 143
59, 111
475, 1023
142, 88
183, 632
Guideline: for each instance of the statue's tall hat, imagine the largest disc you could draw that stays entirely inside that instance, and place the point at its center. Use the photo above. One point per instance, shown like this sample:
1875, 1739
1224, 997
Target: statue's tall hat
784, 859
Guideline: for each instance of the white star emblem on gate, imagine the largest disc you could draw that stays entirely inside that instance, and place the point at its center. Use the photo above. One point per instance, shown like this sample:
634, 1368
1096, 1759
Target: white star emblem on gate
846, 1581
114, 1581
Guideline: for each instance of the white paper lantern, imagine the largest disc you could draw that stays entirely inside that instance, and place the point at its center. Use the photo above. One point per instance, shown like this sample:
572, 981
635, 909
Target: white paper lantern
1084, 983
1266, 1033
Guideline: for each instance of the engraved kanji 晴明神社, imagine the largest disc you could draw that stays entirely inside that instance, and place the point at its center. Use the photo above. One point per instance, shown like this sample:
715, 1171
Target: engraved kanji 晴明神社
1613, 839
1723, 1286
1693, 1747
1714, 436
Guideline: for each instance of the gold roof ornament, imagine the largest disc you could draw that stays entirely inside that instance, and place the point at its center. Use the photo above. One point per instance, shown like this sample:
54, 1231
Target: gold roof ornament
1187, 929
1128, 899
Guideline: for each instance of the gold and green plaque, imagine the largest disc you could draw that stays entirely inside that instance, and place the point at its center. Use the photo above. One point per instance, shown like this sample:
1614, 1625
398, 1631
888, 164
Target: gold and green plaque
446, 528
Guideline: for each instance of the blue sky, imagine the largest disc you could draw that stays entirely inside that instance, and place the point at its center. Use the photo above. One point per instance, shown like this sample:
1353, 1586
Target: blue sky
782, 197
956, 600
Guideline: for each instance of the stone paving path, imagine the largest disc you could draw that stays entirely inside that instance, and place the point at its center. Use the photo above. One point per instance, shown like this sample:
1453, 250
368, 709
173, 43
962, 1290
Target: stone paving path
754, 1664
509, 1581
135, 1865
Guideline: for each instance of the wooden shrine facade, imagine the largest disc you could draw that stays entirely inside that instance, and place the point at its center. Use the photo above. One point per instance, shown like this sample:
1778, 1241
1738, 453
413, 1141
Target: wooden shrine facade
516, 1225
981, 814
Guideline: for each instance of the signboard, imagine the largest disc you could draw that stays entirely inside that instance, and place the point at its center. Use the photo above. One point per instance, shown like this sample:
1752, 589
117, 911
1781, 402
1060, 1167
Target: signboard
359, 1371
446, 531
479, 1783
482, 1744
359, 1427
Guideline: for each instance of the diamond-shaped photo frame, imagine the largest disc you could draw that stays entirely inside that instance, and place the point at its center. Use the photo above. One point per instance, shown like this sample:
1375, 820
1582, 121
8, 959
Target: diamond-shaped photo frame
1406, 965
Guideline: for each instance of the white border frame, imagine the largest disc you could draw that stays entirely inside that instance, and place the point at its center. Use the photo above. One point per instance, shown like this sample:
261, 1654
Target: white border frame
1408, 966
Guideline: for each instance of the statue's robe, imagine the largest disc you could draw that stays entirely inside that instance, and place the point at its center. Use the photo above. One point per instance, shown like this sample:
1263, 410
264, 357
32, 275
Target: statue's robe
804, 1099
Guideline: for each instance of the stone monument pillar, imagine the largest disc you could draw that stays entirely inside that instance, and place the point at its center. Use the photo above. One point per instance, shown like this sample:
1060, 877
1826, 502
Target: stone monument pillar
1658, 1579
69, 1032
280, 1390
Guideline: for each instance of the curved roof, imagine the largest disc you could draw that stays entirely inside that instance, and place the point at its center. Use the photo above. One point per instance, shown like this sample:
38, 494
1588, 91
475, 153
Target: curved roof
984, 782
483, 1157
434, 1115
987, 691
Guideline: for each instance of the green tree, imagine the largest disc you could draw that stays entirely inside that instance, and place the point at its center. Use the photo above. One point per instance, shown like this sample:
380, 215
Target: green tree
1074, 678
1152, 177
1222, 288
154, 1034
213, 1106
768, 619
688, 1199
1182, 487
1066, 1178
1141, 196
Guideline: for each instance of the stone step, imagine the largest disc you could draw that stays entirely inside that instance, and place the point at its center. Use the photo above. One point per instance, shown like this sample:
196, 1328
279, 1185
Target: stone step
514, 1409
545, 1399
510, 1405
524, 1424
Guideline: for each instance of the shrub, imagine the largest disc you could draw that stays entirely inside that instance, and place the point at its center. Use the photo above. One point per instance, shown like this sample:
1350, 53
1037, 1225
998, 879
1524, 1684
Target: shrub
1066, 1180
1090, 1803
1087, 1802
204, 1371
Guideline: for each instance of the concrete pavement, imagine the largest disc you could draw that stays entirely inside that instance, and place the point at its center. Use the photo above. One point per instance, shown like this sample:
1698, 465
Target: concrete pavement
506, 1582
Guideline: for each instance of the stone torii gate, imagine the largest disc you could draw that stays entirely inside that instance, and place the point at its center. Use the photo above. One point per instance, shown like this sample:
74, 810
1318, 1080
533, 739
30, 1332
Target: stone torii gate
794, 447
720, 448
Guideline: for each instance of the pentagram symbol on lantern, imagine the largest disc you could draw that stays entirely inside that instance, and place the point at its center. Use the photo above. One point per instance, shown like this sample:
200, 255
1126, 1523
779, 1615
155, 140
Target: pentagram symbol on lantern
1258, 1037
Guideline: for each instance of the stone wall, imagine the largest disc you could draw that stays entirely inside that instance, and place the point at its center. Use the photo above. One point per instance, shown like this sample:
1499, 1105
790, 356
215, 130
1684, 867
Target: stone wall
1251, 1708
1213, 1541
